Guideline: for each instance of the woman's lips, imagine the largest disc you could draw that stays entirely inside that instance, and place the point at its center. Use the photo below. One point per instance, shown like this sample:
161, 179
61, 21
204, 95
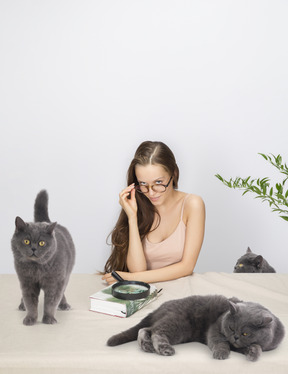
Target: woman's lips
154, 199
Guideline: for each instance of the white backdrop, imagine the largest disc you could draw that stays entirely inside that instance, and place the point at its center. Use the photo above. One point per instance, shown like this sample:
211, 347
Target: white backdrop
83, 82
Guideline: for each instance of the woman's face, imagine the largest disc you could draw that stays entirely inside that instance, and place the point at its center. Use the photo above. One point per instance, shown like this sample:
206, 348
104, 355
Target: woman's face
153, 175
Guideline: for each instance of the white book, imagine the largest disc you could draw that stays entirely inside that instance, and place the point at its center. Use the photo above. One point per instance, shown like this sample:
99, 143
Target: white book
103, 302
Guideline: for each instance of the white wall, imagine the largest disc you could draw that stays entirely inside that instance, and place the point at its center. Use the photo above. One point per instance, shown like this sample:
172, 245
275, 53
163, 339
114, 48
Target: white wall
83, 82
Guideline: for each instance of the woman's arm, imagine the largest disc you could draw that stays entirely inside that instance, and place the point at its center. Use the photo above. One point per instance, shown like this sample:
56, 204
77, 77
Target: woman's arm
136, 260
194, 215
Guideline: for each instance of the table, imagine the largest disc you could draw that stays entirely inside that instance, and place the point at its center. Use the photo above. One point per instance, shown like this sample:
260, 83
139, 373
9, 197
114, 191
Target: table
77, 343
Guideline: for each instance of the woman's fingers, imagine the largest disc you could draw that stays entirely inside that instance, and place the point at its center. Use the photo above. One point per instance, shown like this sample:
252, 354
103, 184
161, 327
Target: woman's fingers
128, 201
127, 190
132, 193
108, 278
127, 193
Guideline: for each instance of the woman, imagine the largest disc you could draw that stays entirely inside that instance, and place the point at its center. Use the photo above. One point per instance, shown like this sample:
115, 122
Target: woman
160, 230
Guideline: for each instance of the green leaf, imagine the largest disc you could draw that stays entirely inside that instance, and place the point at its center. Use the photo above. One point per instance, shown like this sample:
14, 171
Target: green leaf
256, 190
271, 191
262, 154
219, 177
279, 188
265, 181
278, 160
244, 193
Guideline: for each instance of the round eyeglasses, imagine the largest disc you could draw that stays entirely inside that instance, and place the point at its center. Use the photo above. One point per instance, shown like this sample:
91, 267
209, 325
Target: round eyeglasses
144, 188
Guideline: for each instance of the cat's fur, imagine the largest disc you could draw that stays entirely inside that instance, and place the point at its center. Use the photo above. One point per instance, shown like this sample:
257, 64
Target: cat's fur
252, 263
45, 267
213, 320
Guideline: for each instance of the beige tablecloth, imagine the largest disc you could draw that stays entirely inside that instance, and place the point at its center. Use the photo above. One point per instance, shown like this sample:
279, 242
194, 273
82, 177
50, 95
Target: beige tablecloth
77, 344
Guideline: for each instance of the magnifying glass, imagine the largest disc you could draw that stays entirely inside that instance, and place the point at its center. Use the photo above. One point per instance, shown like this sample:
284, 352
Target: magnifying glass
129, 290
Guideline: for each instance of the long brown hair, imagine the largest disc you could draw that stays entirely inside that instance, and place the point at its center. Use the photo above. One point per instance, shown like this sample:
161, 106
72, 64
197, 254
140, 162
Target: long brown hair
147, 153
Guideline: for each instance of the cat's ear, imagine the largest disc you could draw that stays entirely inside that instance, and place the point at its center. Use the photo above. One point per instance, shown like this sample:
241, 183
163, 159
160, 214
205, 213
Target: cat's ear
233, 308
263, 321
248, 250
51, 228
20, 224
258, 261
235, 300
266, 320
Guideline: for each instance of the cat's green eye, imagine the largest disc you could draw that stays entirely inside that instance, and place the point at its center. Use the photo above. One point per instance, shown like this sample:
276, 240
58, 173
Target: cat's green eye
26, 241
42, 243
240, 265
245, 334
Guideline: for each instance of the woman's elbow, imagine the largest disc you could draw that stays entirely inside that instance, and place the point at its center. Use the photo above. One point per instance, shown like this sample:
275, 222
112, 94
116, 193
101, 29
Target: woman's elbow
188, 272
187, 269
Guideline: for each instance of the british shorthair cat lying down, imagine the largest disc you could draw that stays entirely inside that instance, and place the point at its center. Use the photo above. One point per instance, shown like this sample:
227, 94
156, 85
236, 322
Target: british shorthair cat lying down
222, 324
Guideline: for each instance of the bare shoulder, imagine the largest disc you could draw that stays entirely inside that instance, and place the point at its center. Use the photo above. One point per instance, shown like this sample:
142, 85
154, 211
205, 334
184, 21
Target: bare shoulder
194, 205
194, 201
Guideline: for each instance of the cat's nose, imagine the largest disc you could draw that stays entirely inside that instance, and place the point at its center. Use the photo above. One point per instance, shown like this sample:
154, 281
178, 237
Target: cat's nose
33, 249
236, 337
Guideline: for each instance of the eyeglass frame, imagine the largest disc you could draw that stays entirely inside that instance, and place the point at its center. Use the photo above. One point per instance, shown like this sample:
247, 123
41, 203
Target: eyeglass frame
138, 187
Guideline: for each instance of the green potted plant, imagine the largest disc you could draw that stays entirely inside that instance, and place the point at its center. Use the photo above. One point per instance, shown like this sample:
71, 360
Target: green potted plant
276, 196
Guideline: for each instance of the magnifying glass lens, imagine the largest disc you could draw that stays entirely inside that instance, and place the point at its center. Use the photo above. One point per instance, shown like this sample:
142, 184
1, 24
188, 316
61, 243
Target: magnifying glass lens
131, 289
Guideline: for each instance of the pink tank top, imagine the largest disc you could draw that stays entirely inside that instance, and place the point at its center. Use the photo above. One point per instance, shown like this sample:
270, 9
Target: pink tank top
169, 251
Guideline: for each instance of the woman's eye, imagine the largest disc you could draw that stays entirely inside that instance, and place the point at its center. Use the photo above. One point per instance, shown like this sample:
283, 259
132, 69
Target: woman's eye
159, 182
26, 241
42, 243
142, 184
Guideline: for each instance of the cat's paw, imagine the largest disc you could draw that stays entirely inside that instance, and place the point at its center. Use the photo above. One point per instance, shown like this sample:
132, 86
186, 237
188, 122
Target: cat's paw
147, 346
49, 320
64, 306
253, 352
29, 321
221, 354
165, 349
22, 307
144, 340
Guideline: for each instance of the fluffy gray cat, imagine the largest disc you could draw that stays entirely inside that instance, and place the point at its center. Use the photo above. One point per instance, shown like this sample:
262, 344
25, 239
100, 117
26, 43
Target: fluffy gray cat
44, 255
252, 263
223, 324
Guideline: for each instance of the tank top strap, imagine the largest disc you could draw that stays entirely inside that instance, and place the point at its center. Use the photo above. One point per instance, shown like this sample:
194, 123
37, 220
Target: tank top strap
183, 204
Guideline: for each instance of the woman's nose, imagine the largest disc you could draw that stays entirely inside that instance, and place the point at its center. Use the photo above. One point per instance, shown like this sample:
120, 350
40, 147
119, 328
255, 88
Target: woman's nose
151, 192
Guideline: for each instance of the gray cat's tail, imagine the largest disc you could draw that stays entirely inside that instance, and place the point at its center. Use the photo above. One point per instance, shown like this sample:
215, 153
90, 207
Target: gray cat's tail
130, 334
41, 207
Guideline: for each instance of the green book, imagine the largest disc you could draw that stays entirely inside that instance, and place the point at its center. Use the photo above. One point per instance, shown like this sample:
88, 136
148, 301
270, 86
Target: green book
103, 302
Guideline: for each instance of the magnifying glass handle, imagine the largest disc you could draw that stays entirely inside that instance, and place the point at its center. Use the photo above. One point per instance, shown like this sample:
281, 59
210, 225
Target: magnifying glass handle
117, 276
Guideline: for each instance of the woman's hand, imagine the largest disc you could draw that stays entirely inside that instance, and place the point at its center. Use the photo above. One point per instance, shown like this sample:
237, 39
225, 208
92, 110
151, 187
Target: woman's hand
110, 280
128, 201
